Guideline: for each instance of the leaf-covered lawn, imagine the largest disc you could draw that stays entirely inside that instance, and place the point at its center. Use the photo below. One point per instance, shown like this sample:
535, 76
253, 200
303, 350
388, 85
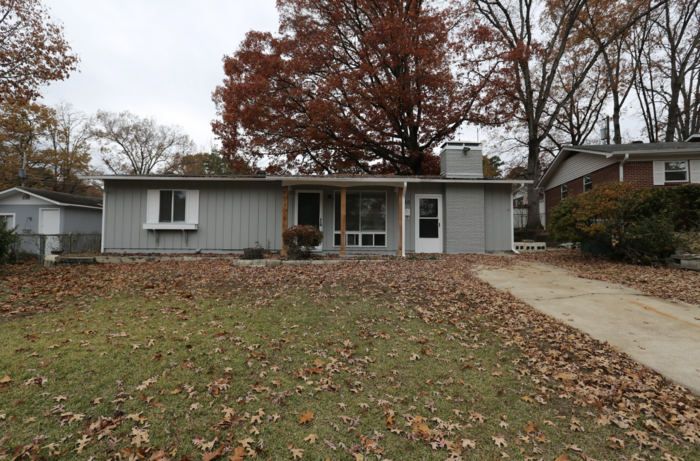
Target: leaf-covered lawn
385, 360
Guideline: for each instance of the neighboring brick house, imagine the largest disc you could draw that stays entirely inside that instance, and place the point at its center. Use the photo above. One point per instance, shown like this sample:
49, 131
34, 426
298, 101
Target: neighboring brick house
578, 169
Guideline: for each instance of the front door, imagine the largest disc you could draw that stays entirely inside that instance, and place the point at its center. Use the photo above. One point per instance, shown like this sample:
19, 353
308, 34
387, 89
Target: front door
429, 224
310, 210
50, 224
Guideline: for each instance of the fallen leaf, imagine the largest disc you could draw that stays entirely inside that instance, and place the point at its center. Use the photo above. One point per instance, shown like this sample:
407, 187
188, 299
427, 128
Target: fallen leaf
306, 417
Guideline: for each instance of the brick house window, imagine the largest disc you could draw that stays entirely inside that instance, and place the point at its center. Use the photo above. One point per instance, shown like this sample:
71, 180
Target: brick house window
587, 183
564, 191
676, 171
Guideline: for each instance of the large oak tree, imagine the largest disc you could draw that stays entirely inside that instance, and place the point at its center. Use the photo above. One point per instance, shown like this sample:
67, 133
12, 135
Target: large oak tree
353, 86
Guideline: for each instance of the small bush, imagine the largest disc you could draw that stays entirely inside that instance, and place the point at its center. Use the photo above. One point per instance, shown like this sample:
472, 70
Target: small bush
301, 240
619, 216
8, 237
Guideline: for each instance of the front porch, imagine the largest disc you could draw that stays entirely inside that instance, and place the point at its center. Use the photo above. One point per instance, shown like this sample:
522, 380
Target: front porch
355, 217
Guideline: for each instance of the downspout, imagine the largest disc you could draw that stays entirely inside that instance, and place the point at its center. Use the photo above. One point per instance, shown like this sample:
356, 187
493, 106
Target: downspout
622, 171
512, 223
403, 228
104, 202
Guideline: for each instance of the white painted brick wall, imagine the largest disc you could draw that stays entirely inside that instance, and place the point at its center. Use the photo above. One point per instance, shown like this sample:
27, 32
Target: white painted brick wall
454, 163
464, 216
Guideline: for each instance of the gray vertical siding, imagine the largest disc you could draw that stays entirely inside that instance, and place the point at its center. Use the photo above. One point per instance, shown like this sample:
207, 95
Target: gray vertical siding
464, 227
497, 219
81, 220
236, 215
232, 216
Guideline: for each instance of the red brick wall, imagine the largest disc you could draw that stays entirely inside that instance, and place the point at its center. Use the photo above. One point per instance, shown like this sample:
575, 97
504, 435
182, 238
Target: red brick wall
641, 174
598, 177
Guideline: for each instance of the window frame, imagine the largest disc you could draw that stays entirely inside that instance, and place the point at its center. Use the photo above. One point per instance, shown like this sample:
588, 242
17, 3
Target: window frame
172, 206
359, 233
564, 191
686, 171
587, 186
11, 215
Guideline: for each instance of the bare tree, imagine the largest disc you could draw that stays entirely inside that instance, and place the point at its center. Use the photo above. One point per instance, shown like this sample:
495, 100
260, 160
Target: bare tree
133, 145
578, 119
535, 39
667, 69
68, 150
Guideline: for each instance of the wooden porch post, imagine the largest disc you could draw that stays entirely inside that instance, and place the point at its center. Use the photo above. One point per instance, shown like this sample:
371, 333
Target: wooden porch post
285, 213
343, 218
400, 194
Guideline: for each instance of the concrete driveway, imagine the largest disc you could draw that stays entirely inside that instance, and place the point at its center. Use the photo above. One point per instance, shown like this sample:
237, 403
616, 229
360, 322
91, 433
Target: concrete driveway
658, 333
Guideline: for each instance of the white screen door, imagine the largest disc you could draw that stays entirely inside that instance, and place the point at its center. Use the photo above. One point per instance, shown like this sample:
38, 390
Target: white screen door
50, 224
429, 224
309, 210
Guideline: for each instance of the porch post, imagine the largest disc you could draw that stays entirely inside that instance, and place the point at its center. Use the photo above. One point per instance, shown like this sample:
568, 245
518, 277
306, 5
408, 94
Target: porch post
285, 213
400, 194
343, 219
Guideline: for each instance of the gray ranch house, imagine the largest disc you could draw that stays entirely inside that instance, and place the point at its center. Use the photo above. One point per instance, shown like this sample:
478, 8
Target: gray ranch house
456, 212
43, 212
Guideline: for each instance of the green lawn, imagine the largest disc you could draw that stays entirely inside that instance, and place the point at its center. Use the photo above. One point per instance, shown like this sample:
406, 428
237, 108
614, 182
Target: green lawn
245, 368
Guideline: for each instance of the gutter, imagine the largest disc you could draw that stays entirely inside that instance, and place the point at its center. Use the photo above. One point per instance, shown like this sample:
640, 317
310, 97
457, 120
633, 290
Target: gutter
622, 163
512, 227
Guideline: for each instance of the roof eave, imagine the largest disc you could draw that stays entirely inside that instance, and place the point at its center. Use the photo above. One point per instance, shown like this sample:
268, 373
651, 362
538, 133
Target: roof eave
307, 179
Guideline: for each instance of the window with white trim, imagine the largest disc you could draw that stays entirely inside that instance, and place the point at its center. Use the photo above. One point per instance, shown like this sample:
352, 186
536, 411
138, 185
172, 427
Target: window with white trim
7, 220
173, 206
675, 171
172, 209
587, 183
564, 191
365, 219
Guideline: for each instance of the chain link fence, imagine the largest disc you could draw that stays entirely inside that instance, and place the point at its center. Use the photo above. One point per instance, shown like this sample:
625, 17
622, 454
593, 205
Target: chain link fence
36, 246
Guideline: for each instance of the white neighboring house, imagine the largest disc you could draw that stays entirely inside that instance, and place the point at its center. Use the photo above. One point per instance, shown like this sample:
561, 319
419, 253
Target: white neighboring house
520, 208
36, 211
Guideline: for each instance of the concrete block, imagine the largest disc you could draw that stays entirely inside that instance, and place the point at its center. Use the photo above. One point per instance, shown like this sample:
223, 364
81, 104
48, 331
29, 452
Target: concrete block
691, 264
273, 262
50, 260
530, 246
296, 263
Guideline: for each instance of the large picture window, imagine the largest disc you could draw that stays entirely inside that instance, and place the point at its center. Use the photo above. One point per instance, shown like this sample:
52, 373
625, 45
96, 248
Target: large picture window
365, 219
172, 206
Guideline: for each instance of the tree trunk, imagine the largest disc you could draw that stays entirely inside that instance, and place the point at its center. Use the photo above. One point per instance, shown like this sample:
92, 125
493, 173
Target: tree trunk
533, 195
672, 122
617, 108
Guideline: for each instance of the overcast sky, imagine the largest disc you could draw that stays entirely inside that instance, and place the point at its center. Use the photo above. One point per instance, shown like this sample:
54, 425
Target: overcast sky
163, 58
159, 58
